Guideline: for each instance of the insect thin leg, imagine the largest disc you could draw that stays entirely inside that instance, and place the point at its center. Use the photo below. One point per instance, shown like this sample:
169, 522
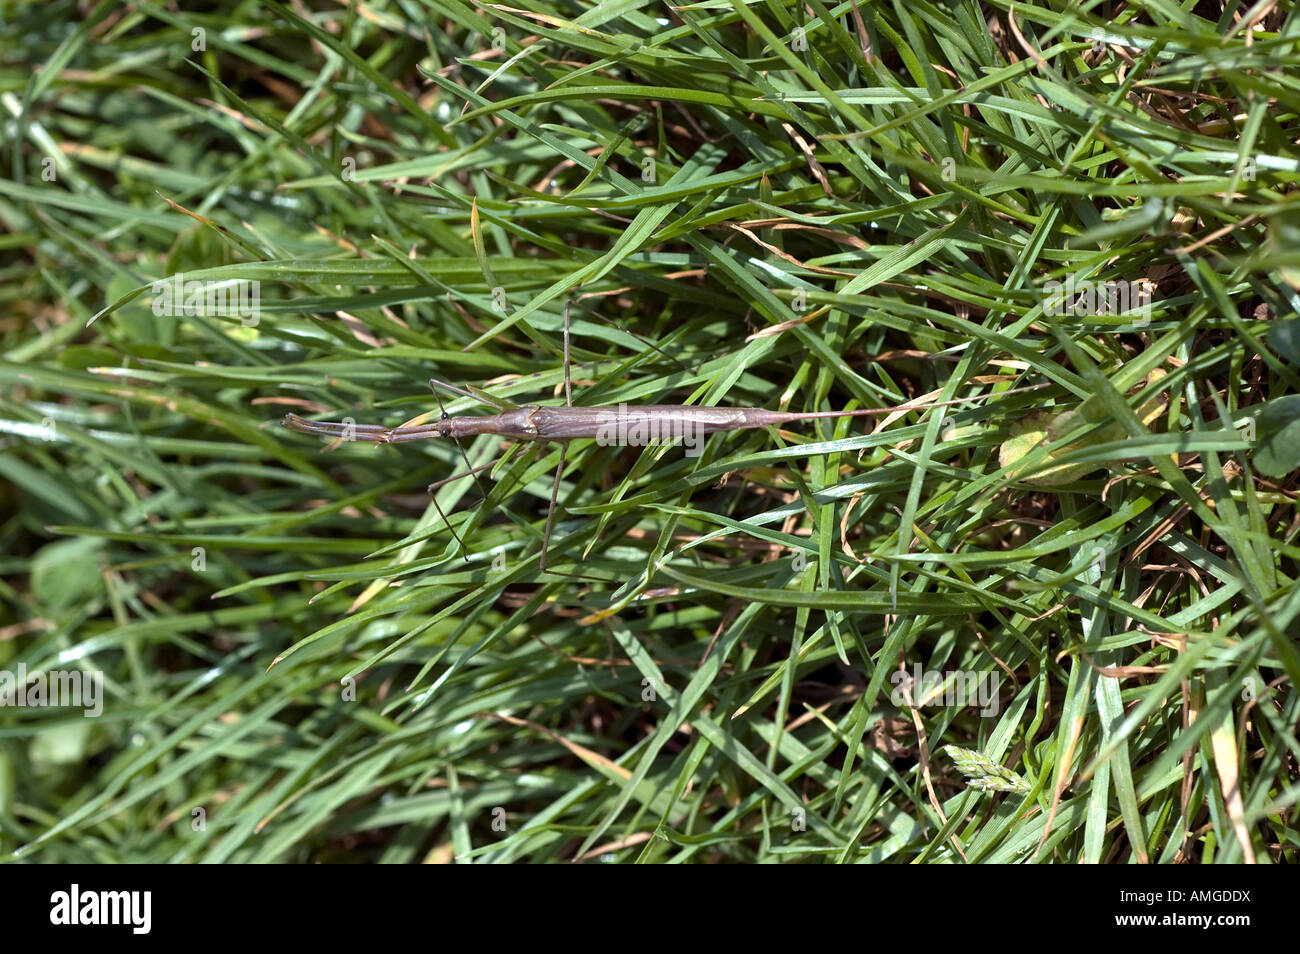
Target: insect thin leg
461, 449
564, 448
568, 388
469, 471
459, 542
434, 384
550, 513
464, 473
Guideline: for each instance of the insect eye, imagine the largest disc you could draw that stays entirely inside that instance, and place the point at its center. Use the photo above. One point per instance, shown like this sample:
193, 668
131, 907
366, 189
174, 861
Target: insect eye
445, 415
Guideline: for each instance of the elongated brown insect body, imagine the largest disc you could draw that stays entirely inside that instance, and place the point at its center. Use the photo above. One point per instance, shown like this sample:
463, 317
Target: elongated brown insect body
635, 425
534, 422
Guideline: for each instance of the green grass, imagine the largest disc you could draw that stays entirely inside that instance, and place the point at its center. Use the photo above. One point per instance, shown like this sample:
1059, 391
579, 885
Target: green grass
749, 204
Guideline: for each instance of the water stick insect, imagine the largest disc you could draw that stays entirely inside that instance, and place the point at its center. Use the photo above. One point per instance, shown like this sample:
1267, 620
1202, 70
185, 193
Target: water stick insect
562, 424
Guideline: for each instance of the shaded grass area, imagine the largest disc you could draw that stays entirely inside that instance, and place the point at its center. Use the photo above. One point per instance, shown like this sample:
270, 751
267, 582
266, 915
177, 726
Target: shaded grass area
803, 207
